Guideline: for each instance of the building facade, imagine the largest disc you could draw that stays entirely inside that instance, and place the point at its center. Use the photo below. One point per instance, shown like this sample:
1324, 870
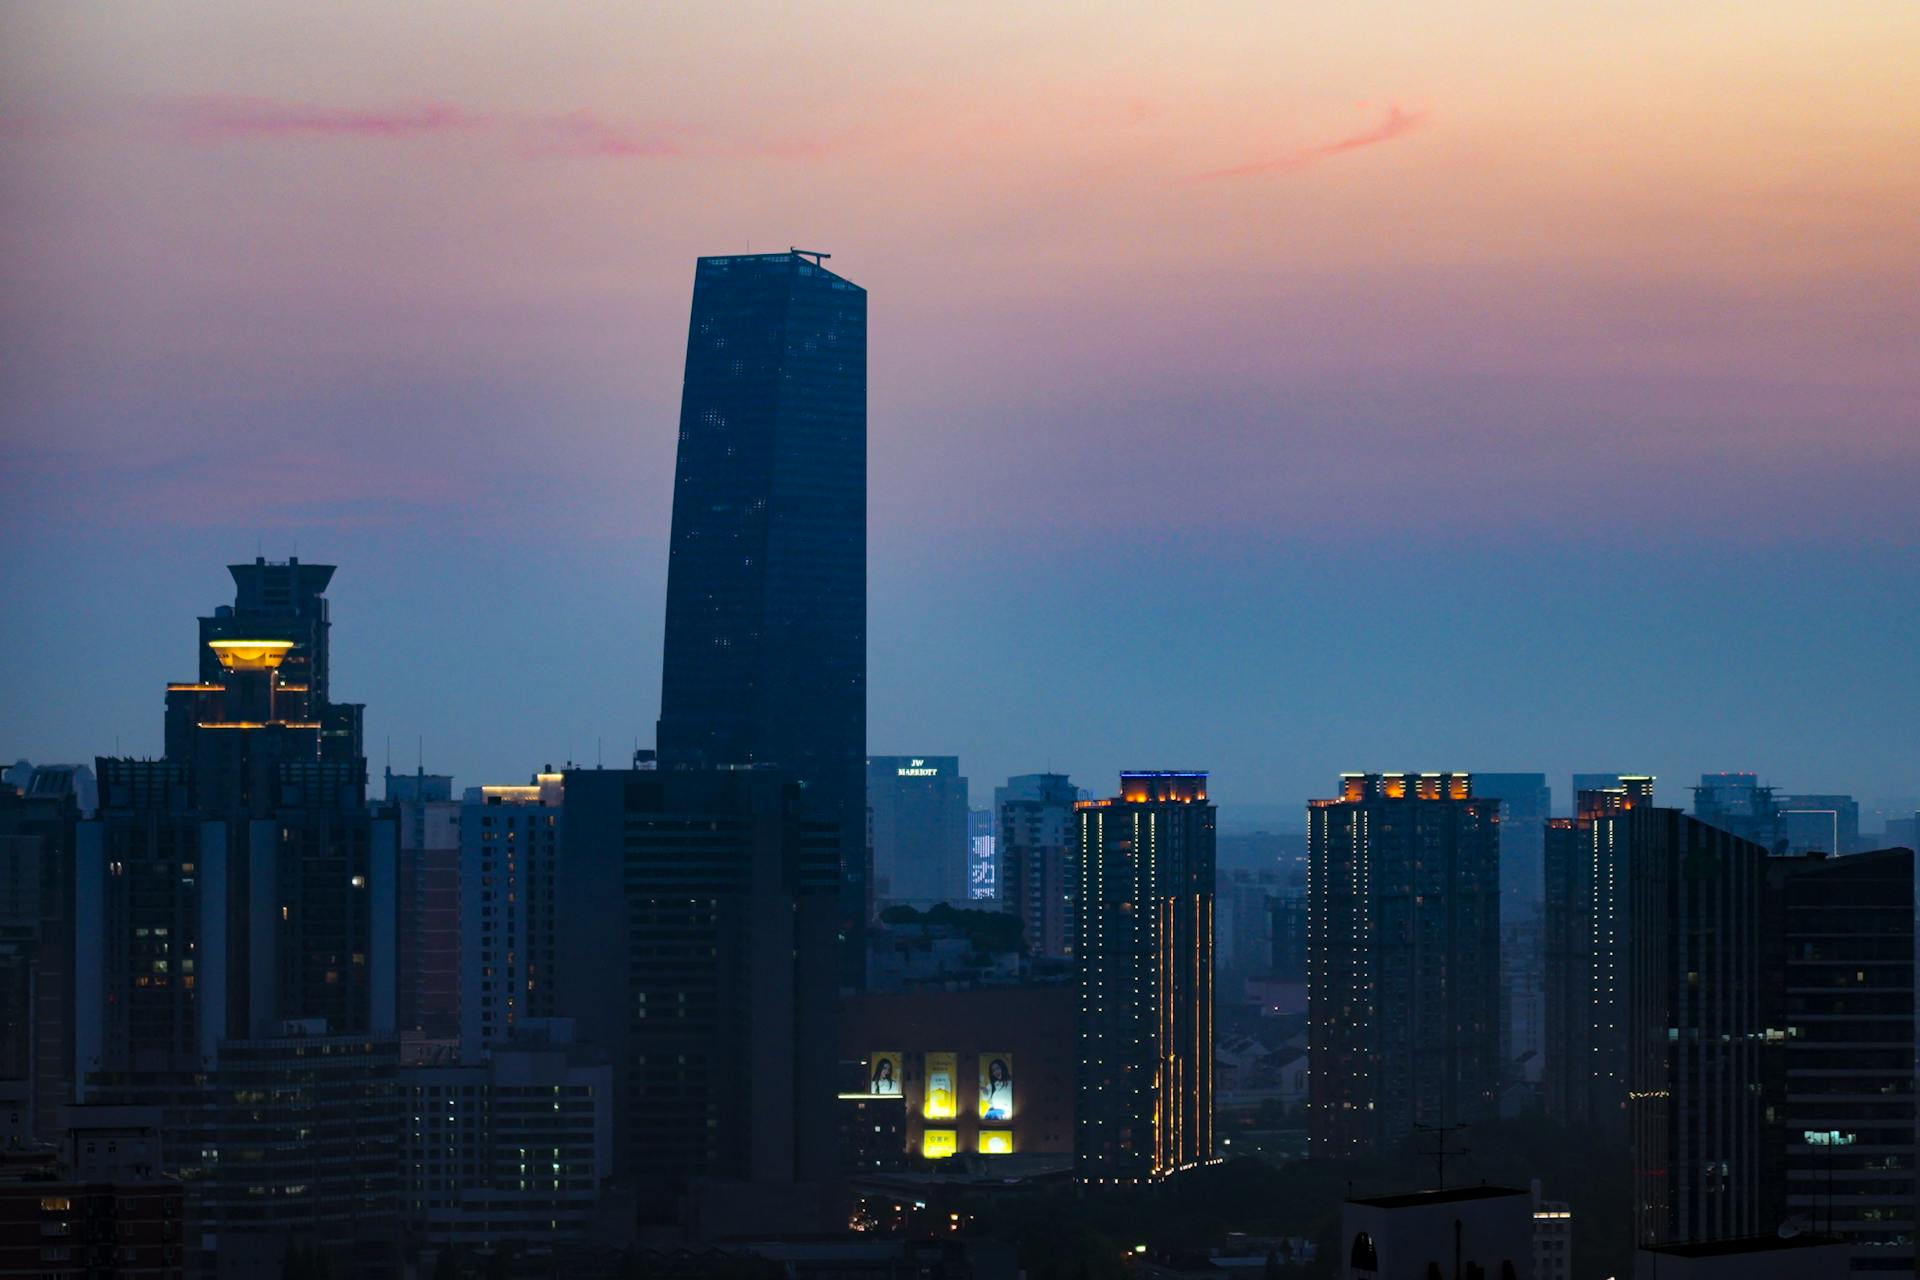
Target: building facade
510, 841
1143, 963
919, 812
765, 643
1037, 845
426, 821
1403, 974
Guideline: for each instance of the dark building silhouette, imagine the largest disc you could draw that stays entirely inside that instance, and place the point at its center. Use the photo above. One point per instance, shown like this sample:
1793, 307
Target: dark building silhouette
1038, 837
1737, 802
765, 644
1695, 1025
1143, 960
426, 821
1526, 802
1586, 959
1839, 1051
919, 816
1403, 974
97, 1204
700, 909
37, 835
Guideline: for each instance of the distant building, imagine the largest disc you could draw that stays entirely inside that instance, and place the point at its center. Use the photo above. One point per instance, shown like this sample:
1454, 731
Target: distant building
699, 950
1819, 823
983, 860
37, 841
765, 645
1403, 959
1465, 1231
1526, 802
1037, 847
919, 806
1143, 960
510, 839
1586, 957
426, 819
1839, 989
1771, 1256
986, 1072
1736, 802
510, 1150
1243, 936
1552, 1238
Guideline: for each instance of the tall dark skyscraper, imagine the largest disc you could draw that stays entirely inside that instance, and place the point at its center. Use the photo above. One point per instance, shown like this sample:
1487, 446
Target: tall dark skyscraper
766, 626
1144, 963
1403, 970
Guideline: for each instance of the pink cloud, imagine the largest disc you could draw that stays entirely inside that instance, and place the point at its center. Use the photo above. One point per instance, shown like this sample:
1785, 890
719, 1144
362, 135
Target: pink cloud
1397, 123
582, 133
215, 116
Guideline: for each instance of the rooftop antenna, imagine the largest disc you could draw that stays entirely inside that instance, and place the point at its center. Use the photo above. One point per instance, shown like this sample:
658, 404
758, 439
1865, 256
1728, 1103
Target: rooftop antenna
817, 256
1440, 1133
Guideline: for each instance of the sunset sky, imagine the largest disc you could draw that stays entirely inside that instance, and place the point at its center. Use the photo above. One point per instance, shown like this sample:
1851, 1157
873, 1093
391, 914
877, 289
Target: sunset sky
1270, 388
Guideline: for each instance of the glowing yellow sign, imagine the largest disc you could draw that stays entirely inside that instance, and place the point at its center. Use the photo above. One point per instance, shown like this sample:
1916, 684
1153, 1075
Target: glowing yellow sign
996, 1142
941, 1101
250, 655
938, 1144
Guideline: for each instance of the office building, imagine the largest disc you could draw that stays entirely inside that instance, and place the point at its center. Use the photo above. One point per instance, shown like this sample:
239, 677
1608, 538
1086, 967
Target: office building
510, 1150
1038, 842
38, 824
919, 813
699, 951
1403, 973
1143, 963
1736, 802
765, 643
1695, 1025
426, 820
1818, 823
510, 839
1463, 1231
1526, 802
1839, 988
1585, 954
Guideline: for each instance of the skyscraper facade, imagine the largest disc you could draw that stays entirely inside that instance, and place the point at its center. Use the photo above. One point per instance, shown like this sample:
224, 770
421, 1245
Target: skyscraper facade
426, 821
1038, 841
919, 807
765, 644
1143, 960
1526, 802
1403, 975
510, 838
1586, 956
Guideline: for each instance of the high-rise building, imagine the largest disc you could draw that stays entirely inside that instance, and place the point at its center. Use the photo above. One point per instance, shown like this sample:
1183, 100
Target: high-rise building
765, 646
426, 818
37, 837
919, 807
1819, 823
509, 920
1143, 959
1037, 847
509, 1150
1695, 1024
1839, 1048
700, 909
1736, 802
1403, 974
1585, 956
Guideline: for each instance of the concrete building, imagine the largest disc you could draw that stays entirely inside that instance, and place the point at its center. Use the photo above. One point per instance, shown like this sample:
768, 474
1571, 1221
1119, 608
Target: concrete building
510, 842
1465, 1231
919, 815
96, 1205
510, 1150
1819, 823
1552, 1238
1037, 847
1403, 959
37, 839
700, 952
426, 819
1143, 962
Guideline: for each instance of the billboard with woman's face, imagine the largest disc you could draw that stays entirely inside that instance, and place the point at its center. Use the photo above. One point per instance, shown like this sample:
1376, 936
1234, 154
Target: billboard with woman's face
883, 1074
996, 1086
942, 1101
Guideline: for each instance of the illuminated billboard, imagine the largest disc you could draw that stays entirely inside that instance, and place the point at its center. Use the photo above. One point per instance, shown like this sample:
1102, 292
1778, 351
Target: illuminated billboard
996, 1142
938, 1144
996, 1086
883, 1074
942, 1097
982, 878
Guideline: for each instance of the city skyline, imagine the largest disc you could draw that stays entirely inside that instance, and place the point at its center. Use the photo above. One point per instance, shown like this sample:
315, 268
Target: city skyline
1631, 354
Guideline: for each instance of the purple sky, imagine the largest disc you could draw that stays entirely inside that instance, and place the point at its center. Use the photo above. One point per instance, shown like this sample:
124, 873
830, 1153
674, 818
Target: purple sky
1282, 393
